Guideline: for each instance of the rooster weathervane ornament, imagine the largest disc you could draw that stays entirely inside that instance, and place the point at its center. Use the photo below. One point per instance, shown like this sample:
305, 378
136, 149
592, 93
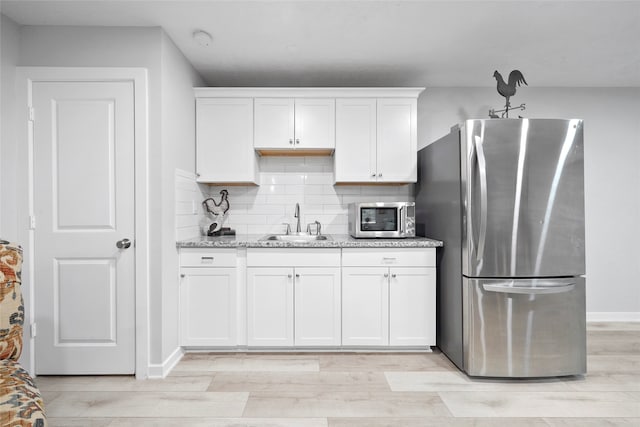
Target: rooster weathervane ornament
508, 89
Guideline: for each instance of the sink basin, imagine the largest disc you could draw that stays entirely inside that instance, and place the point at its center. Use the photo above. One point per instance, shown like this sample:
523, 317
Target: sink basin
295, 238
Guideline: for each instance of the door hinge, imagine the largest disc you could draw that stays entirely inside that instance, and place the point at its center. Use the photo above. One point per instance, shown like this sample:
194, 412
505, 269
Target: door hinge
32, 114
33, 330
32, 222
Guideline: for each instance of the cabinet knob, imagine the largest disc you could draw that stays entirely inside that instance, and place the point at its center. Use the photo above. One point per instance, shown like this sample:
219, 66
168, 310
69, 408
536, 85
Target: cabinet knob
393, 276
373, 175
291, 141
289, 276
297, 276
379, 175
297, 141
386, 275
182, 275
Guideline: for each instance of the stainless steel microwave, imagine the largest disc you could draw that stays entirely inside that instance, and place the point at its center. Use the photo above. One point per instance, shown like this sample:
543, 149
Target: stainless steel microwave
395, 220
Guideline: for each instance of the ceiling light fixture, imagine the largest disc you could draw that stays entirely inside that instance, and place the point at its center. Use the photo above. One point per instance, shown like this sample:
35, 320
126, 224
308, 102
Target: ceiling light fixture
203, 38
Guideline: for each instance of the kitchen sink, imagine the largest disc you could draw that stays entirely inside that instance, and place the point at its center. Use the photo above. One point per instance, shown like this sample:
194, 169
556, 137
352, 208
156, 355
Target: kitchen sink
303, 237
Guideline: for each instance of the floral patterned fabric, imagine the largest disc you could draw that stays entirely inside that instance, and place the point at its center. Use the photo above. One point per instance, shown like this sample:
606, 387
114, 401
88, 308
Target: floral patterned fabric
20, 400
11, 306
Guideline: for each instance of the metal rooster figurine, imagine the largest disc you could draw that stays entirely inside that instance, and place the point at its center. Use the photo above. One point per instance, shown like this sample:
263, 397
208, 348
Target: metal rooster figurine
217, 211
508, 89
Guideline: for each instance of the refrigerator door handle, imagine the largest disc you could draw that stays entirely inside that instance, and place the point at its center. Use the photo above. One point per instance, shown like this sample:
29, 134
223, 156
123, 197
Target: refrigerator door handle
543, 288
482, 171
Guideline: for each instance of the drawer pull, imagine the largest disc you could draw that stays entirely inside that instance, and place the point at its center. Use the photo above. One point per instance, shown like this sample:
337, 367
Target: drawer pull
206, 259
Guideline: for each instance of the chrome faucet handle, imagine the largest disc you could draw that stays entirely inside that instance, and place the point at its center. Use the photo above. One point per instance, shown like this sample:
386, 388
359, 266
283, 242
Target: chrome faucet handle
318, 227
288, 229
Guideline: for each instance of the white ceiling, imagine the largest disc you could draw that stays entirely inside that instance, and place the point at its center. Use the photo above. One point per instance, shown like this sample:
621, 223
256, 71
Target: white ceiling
379, 43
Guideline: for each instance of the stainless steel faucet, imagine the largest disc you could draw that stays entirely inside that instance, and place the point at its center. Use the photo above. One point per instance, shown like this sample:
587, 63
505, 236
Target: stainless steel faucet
296, 214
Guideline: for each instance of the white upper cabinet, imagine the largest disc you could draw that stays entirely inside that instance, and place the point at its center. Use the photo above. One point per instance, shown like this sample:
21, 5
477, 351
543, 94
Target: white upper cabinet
224, 141
294, 124
397, 140
275, 121
355, 156
376, 140
371, 131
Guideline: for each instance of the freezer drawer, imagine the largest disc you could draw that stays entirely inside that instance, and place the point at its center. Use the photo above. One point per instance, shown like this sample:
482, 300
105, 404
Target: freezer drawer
524, 327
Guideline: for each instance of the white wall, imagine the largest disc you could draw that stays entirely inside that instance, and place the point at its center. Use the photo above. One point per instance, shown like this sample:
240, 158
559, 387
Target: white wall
178, 152
9, 39
308, 181
612, 173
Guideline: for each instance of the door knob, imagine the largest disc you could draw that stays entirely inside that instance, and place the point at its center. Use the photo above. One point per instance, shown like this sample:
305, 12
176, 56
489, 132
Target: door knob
123, 244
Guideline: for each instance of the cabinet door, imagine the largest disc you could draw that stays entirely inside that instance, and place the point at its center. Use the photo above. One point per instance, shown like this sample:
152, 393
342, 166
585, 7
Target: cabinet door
269, 307
365, 306
317, 306
208, 307
274, 123
412, 306
224, 140
315, 123
355, 155
397, 140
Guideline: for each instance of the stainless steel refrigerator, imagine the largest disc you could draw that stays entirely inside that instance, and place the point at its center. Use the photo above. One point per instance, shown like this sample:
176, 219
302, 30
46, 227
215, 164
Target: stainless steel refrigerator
507, 198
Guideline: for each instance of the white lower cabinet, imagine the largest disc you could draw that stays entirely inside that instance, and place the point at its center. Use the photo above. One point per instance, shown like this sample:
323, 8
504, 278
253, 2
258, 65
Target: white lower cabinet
388, 297
293, 297
208, 297
306, 298
412, 306
208, 307
270, 306
365, 306
317, 306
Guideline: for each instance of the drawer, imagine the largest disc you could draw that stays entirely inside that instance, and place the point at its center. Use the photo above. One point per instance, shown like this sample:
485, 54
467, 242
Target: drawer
208, 257
401, 257
293, 257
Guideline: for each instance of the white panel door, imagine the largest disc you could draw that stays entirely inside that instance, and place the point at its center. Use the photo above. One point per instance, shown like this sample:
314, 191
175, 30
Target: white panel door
397, 140
355, 155
208, 307
315, 123
365, 306
273, 123
83, 156
224, 140
317, 306
412, 306
270, 307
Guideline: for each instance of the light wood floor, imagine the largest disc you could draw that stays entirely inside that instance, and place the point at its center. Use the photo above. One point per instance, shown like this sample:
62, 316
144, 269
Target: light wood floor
373, 390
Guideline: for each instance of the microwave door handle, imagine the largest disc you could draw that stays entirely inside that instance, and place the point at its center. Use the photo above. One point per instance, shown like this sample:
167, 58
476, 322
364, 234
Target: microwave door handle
401, 227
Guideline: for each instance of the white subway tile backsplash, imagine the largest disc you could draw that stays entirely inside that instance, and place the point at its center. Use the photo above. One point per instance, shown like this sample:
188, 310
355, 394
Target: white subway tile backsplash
322, 178
324, 199
308, 181
347, 189
295, 189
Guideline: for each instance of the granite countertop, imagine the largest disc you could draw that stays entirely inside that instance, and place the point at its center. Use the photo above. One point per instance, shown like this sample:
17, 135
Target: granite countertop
339, 241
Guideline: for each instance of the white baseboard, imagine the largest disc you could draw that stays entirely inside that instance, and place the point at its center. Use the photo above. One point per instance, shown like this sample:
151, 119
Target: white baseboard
163, 369
616, 316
